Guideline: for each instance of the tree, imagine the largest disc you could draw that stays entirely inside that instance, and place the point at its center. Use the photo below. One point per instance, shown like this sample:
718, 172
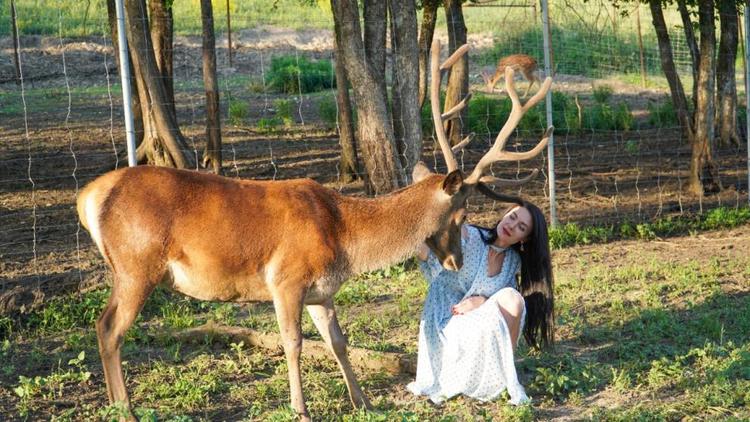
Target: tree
726, 101
348, 167
426, 32
162, 142
407, 125
212, 153
698, 123
458, 79
375, 133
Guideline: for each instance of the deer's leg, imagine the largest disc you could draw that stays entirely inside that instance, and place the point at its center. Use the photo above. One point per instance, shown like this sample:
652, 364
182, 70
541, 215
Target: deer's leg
123, 307
288, 305
324, 317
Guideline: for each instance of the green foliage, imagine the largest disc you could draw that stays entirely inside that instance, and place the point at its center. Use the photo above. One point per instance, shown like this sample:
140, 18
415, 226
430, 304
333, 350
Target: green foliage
571, 234
602, 93
238, 111
603, 51
328, 111
719, 218
50, 387
299, 75
181, 388
284, 109
662, 115
604, 117
64, 313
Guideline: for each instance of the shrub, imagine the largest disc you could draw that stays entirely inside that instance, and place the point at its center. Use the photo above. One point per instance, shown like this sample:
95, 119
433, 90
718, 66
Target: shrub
602, 93
328, 111
294, 75
662, 115
238, 111
284, 111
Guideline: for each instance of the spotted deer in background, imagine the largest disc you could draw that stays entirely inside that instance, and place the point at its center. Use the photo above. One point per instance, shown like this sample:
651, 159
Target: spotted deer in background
519, 62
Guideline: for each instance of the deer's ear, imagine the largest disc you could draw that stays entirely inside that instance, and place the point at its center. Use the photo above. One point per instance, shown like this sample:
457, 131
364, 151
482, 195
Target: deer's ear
453, 182
420, 172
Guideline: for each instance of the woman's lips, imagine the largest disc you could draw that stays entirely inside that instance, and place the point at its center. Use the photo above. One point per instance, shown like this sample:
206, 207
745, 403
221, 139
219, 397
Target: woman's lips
506, 231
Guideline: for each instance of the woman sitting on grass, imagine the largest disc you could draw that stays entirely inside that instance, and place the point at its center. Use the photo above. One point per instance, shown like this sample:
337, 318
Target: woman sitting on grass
472, 317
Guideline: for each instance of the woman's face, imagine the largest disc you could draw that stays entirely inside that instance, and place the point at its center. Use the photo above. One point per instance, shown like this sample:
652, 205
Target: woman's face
515, 227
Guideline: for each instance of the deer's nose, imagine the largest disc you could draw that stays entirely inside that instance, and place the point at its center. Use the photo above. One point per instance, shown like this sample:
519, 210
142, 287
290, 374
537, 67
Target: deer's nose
453, 263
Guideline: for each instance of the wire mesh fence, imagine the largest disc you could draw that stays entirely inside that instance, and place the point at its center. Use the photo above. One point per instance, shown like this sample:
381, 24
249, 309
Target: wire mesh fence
620, 154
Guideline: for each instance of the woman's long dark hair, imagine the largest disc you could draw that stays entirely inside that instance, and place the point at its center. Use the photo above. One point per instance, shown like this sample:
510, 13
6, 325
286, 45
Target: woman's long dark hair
536, 283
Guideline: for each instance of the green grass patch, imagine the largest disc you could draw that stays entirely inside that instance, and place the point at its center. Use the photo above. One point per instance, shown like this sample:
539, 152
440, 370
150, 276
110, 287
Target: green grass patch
571, 234
299, 75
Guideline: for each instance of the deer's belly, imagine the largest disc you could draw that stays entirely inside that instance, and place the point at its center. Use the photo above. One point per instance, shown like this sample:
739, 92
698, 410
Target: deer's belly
204, 284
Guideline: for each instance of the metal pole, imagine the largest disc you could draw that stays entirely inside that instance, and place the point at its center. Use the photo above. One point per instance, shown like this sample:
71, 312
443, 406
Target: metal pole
125, 80
747, 99
548, 101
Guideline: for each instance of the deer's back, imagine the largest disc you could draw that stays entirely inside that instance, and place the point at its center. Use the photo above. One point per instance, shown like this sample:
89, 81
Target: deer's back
517, 62
213, 226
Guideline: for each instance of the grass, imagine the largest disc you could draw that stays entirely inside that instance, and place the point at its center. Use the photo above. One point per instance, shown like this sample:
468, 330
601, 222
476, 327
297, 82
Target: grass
652, 336
572, 234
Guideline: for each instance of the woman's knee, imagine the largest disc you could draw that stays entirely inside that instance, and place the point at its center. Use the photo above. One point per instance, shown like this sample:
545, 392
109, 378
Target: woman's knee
510, 301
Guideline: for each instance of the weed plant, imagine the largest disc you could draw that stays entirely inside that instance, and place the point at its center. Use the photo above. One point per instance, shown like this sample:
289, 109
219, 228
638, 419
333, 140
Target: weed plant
299, 75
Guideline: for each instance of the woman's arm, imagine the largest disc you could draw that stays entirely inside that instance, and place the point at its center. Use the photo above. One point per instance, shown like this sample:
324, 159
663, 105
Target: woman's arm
467, 305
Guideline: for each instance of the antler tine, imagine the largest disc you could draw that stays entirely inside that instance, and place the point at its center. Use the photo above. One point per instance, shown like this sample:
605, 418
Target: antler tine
496, 153
456, 108
461, 145
437, 118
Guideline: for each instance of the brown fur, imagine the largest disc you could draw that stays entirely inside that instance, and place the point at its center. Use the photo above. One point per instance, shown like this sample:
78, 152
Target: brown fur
518, 62
293, 242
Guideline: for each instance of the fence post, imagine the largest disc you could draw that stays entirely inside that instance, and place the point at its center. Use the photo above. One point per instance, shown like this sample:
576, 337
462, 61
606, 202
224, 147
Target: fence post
548, 103
125, 80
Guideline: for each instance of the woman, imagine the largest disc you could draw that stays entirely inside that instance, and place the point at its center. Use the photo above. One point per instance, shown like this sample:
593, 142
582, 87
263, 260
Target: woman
472, 317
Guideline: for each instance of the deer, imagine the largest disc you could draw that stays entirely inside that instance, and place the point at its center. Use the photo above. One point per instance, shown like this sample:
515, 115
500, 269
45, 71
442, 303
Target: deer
522, 62
290, 242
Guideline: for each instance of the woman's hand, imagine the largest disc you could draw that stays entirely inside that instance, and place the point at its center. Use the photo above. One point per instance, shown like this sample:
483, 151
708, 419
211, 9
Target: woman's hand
468, 305
423, 251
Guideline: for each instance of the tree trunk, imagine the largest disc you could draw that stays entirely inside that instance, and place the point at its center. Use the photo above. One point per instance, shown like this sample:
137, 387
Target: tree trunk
376, 17
670, 72
162, 24
212, 153
687, 26
135, 99
407, 125
375, 132
458, 79
703, 171
725, 74
163, 143
348, 168
426, 32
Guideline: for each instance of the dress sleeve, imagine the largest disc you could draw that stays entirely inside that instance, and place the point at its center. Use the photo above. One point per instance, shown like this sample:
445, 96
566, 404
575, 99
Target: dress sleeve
431, 267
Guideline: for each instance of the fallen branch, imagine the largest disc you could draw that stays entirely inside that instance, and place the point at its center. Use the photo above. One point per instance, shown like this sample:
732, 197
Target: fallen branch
392, 363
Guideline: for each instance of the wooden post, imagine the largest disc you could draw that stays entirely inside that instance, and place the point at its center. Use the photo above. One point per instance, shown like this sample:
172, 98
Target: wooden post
229, 35
15, 41
640, 43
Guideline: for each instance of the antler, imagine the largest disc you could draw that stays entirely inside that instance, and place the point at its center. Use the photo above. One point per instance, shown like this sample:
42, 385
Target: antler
496, 153
437, 118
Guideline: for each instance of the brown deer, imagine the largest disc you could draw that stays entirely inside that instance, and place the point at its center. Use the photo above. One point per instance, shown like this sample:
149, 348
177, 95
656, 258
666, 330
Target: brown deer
519, 62
293, 242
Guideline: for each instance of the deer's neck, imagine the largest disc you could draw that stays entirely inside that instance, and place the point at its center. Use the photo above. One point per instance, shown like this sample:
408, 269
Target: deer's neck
385, 230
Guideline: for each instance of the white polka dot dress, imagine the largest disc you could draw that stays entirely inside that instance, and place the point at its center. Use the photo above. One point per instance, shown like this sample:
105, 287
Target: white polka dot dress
468, 354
